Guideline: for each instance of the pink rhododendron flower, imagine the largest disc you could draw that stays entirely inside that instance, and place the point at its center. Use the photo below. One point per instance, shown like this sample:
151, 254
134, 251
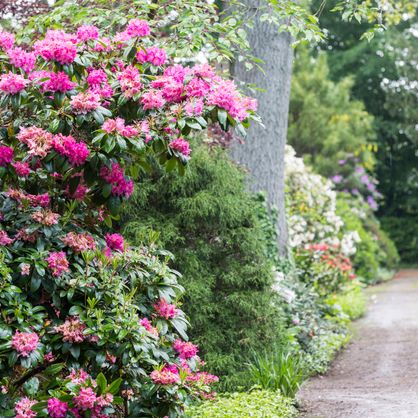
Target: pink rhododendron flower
57, 46
23, 408
177, 72
79, 377
5, 239
11, 83
164, 377
225, 96
165, 310
25, 342
115, 242
7, 40
116, 177
152, 99
185, 350
57, 408
198, 87
194, 107
84, 103
58, 263
46, 217
203, 377
25, 269
79, 242
96, 77
6, 155
154, 55
72, 330
87, 32
148, 326
49, 357
181, 146
22, 59
118, 125
37, 140
58, 82
173, 91
22, 169
85, 399
130, 81
137, 27
76, 152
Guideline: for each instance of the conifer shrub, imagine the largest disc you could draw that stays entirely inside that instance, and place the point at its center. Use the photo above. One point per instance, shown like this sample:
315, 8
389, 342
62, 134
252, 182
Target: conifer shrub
210, 223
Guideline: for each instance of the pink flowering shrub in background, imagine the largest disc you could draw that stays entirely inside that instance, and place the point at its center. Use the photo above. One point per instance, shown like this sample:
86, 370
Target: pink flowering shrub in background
91, 326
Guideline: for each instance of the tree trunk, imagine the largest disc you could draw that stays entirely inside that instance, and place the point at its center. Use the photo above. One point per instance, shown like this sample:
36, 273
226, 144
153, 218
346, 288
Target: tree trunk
262, 153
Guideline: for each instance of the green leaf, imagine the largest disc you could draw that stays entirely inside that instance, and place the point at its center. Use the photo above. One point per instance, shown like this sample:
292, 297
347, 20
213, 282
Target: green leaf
222, 117
114, 386
101, 382
75, 351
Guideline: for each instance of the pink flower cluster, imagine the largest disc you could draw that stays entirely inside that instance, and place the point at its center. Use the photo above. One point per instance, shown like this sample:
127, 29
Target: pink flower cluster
76, 152
57, 46
22, 169
72, 330
87, 400
137, 28
58, 263
57, 82
25, 342
87, 33
152, 99
130, 81
6, 155
57, 408
79, 242
165, 310
36, 139
83, 103
225, 96
116, 177
22, 59
5, 239
7, 40
148, 326
23, 408
186, 350
33, 199
115, 242
46, 217
180, 145
154, 55
165, 376
11, 83
118, 125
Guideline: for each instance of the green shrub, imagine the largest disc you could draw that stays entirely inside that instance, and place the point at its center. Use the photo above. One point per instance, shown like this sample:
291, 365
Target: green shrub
277, 369
352, 302
375, 250
404, 232
257, 404
209, 222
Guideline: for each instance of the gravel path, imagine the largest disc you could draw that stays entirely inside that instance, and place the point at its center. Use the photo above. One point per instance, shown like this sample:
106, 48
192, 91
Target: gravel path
376, 376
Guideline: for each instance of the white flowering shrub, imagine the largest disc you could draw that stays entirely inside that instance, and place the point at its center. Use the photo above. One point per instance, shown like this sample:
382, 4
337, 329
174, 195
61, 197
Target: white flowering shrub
311, 208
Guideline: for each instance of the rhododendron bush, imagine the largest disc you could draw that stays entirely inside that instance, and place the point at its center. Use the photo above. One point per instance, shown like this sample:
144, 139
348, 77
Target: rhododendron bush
90, 326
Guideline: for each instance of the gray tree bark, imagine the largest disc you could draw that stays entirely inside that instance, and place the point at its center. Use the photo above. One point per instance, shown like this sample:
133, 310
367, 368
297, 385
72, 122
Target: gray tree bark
262, 153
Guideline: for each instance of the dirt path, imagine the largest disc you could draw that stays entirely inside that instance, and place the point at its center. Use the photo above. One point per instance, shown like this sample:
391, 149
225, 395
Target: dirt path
376, 376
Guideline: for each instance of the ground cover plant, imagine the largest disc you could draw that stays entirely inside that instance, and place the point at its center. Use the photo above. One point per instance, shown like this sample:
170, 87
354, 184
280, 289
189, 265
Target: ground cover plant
91, 326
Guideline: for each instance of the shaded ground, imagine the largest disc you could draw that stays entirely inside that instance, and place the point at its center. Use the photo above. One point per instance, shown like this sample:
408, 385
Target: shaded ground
376, 376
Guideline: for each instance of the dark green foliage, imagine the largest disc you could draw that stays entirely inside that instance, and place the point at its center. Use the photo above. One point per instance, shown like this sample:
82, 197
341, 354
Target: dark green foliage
325, 123
404, 232
210, 223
